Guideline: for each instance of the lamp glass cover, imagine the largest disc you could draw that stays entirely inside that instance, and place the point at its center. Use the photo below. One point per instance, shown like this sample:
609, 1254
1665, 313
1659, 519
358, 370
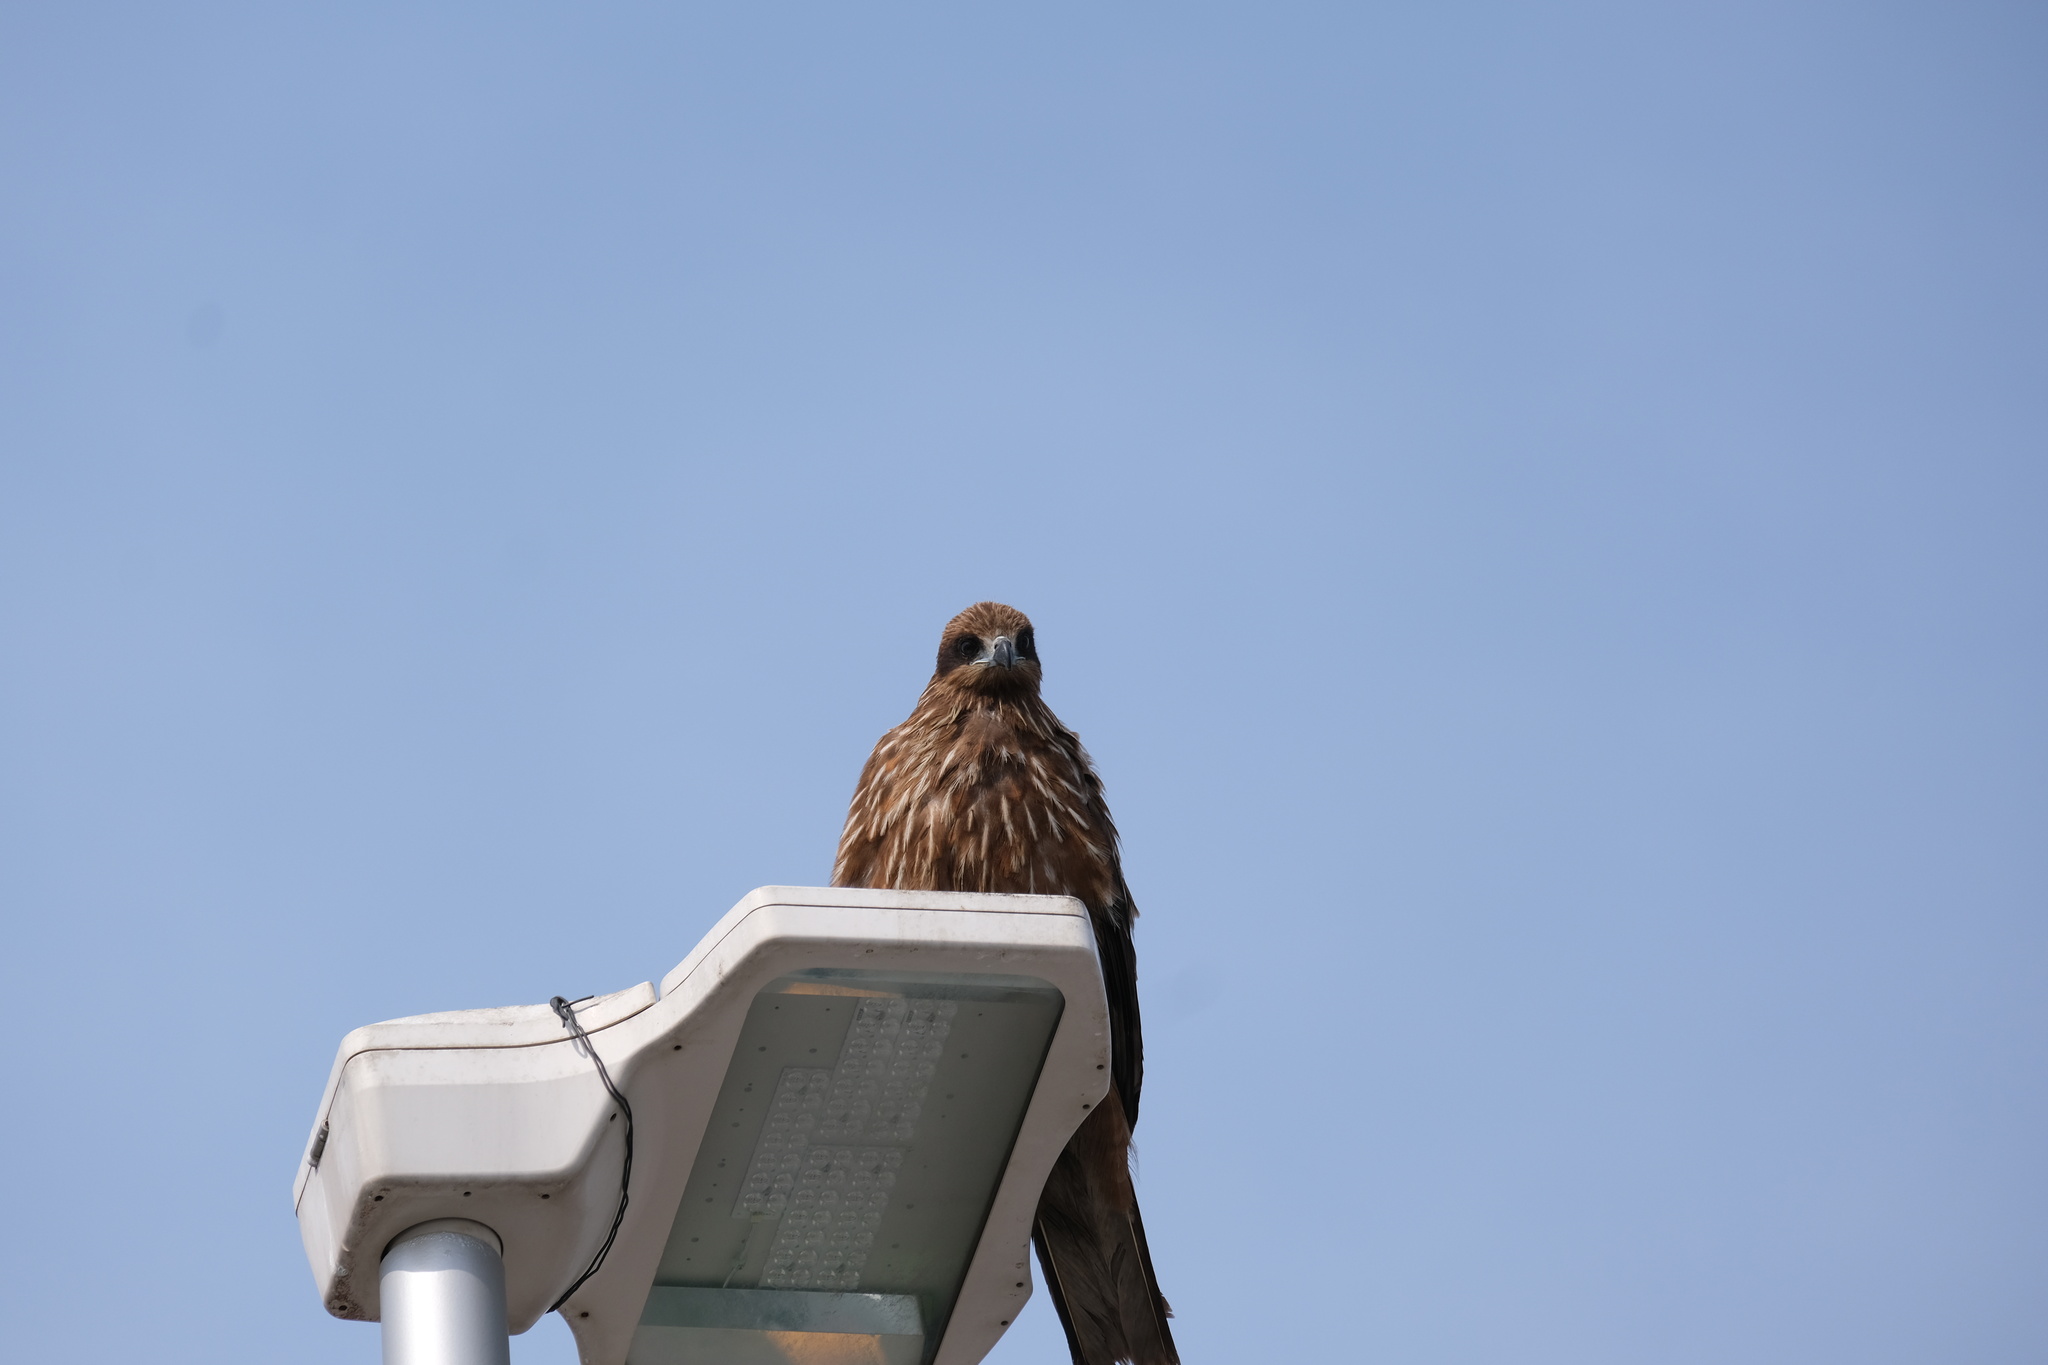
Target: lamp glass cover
862, 1127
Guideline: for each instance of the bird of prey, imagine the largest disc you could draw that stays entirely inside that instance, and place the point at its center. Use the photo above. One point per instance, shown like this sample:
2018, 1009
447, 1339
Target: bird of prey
982, 789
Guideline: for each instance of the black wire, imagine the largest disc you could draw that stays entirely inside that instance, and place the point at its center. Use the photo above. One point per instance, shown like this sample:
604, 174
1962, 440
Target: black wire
568, 1015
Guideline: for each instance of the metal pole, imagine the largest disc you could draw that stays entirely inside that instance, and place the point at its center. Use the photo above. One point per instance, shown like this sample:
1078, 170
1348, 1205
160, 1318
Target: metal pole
443, 1290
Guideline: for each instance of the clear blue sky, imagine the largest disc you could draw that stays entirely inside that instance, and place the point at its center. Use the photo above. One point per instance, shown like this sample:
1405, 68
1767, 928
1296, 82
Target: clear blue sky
1538, 511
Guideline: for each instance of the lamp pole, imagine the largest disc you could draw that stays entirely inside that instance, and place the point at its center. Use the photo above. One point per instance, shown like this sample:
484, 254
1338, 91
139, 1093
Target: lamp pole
442, 1284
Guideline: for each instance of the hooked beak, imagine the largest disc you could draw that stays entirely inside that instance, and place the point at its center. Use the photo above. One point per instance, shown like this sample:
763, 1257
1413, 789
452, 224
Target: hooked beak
1001, 651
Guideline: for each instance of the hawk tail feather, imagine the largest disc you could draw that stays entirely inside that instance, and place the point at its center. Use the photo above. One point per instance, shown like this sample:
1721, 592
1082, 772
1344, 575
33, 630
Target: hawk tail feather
1091, 1243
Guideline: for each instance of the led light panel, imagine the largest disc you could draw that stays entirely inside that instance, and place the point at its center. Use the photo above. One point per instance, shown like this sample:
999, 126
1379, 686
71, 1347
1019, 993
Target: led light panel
848, 1167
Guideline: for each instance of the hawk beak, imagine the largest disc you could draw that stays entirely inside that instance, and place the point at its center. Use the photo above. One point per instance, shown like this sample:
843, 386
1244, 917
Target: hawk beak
1002, 653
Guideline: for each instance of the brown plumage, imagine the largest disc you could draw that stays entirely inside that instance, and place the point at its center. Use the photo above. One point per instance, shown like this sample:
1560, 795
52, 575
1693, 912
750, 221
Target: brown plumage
982, 789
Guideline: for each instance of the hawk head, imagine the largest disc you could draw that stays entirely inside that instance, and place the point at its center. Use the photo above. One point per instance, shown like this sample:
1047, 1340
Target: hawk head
989, 648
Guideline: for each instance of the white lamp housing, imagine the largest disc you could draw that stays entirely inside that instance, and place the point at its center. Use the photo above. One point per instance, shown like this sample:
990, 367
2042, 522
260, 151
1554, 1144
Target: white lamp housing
844, 1105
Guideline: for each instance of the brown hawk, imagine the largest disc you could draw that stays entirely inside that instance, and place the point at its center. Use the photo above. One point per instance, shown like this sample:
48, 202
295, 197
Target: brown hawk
982, 789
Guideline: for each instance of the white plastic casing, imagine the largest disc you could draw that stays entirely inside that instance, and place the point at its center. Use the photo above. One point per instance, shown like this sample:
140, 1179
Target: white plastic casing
496, 1116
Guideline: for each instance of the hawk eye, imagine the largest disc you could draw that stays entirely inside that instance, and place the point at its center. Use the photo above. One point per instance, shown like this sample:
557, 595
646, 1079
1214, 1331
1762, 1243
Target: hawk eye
967, 647
1027, 648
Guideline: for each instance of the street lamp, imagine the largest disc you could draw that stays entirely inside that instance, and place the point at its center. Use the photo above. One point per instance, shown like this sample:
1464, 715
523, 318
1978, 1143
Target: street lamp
837, 1114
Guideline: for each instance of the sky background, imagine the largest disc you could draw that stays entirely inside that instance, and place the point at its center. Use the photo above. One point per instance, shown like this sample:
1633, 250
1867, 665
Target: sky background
1537, 511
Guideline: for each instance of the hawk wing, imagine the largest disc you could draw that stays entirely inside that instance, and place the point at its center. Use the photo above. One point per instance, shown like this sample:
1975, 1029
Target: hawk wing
1120, 981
